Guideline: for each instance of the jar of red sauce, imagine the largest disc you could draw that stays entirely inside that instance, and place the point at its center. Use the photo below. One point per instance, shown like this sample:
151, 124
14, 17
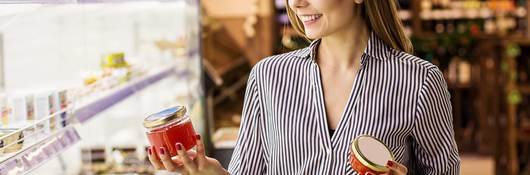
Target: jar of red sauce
170, 126
369, 154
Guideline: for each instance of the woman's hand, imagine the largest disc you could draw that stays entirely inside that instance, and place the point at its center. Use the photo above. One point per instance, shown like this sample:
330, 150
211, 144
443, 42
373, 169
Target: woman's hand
395, 169
186, 162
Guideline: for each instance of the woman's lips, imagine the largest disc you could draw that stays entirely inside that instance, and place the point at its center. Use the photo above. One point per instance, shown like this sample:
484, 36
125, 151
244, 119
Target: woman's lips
309, 19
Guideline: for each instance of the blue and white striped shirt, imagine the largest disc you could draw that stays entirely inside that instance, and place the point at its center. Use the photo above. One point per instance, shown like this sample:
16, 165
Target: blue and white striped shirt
397, 97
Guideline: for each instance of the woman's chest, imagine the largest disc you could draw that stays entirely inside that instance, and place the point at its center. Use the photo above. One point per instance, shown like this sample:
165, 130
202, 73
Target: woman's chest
381, 108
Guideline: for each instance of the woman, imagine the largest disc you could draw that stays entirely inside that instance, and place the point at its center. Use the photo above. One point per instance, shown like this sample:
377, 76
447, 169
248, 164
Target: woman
303, 108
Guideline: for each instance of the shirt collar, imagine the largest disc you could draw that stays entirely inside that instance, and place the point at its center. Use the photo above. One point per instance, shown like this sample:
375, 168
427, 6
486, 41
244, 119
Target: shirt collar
375, 49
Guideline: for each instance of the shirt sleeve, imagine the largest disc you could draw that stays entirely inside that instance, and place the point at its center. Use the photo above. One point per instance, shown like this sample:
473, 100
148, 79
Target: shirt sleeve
248, 156
434, 146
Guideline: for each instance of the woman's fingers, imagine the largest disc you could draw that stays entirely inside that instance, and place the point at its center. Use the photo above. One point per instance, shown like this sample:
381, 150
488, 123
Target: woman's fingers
166, 159
201, 157
396, 168
176, 159
153, 158
189, 165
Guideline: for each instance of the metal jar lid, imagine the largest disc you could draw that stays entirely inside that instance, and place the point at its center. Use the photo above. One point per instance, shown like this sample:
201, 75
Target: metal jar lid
165, 116
362, 158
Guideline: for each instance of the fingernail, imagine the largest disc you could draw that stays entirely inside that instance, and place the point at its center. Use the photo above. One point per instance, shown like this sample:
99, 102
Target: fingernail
179, 146
198, 137
149, 151
162, 150
390, 163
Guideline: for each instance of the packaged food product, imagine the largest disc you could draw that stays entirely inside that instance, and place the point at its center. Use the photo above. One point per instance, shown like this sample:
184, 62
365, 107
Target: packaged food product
64, 102
30, 107
171, 126
55, 108
94, 160
42, 111
114, 60
4, 110
369, 154
19, 109
12, 140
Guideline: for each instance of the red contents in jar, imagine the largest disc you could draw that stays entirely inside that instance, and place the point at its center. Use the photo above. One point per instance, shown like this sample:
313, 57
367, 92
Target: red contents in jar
168, 136
359, 167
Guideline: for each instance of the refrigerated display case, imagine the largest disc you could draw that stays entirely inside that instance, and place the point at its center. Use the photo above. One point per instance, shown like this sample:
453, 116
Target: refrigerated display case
77, 79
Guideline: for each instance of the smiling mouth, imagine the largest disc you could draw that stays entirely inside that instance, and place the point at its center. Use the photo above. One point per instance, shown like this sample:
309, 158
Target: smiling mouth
310, 18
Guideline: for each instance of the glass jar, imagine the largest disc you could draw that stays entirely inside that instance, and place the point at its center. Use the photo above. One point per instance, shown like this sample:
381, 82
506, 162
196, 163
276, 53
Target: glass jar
369, 154
169, 127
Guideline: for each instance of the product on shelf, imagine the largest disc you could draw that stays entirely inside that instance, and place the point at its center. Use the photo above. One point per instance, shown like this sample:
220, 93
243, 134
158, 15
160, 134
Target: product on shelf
170, 126
179, 47
59, 105
114, 60
42, 111
22, 106
13, 142
90, 78
126, 160
55, 107
464, 72
94, 160
121, 160
5, 110
30, 107
491, 16
19, 110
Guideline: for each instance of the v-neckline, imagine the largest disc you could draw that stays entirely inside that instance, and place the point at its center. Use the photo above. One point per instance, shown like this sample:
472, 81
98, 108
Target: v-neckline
321, 103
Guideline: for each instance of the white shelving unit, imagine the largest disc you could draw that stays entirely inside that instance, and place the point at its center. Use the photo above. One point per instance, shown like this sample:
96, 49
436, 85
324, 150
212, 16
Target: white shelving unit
46, 44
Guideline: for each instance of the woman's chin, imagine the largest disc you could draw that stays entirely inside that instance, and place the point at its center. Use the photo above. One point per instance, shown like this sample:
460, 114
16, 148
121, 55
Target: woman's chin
312, 35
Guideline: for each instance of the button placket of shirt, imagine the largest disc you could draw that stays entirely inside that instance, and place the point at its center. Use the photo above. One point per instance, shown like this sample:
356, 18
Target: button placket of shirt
325, 145
316, 103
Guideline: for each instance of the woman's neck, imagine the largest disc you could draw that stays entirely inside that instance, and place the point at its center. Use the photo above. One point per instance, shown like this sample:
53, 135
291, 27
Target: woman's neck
343, 49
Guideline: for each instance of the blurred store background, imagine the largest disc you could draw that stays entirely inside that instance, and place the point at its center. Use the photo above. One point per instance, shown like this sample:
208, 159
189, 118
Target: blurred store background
77, 77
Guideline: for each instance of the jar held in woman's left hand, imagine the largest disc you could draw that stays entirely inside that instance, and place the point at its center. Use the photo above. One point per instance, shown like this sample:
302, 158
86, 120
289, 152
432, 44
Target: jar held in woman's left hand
395, 169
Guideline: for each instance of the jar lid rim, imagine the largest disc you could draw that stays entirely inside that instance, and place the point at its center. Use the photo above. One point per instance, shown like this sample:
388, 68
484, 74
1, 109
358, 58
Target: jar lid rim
362, 158
164, 116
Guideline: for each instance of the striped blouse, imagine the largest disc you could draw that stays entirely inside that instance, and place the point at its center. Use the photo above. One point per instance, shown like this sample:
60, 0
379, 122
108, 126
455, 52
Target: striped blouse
398, 98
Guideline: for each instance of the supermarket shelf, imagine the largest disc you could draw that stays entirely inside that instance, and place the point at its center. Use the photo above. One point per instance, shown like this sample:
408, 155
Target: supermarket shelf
42, 145
114, 96
36, 154
91, 109
446, 14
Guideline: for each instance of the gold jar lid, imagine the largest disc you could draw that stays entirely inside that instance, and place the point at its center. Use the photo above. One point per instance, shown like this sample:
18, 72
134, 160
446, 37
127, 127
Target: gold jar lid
165, 116
356, 150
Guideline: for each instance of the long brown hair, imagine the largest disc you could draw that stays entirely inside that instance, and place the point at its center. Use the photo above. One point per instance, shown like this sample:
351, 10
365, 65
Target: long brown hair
381, 17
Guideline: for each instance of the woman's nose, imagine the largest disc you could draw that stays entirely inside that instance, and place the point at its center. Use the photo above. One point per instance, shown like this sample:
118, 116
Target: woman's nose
294, 4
